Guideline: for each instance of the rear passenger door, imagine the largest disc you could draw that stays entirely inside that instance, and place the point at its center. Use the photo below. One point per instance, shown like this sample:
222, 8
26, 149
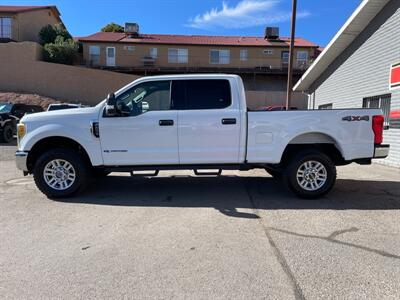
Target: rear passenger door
208, 121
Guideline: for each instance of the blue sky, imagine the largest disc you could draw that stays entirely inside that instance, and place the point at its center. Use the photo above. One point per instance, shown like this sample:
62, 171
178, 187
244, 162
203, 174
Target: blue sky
318, 19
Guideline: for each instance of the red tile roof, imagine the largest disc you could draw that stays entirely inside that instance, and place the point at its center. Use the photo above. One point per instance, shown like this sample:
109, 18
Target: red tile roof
193, 40
19, 9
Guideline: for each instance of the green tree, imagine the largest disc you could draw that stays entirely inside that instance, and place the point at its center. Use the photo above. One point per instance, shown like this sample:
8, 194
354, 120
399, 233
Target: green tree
49, 33
112, 27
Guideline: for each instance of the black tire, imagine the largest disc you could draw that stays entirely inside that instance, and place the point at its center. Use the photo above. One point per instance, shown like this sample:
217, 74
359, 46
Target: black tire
292, 182
7, 133
274, 173
79, 165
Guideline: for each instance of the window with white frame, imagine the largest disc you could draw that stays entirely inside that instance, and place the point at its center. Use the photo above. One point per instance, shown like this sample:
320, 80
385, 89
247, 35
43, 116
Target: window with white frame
382, 102
153, 53
285, 57
326, 106
302, 58
177, 56
268, 52
243, 55
94, 55
5, 28
220, 57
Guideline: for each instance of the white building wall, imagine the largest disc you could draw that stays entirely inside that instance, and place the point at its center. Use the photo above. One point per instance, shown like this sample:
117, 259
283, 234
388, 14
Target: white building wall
363, 69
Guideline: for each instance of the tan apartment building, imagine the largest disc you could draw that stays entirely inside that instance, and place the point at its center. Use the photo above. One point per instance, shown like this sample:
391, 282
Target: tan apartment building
23, 23
157, 52
261, 61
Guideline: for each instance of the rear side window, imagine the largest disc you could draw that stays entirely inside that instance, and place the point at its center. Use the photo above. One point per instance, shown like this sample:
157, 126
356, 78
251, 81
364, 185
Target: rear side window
207, 94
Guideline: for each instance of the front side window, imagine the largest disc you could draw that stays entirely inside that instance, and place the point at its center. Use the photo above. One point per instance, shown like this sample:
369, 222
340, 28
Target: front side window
382, 102
177, 56
207, 94
5, 28
221, 57
94, 55
144, 97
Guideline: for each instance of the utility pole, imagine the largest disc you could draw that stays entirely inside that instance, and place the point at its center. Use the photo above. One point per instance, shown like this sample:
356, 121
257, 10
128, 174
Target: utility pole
291, 54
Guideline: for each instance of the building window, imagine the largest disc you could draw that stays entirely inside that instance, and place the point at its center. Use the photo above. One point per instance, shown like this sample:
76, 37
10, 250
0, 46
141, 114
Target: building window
94, 55
326, 106
243, 55
285, 58
5, 28
129, 48
268, 52
302, 59
153, 53
382, 102
219, 57
177, 56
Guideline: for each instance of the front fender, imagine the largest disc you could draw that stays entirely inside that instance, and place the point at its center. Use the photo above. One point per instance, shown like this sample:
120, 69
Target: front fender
90, 143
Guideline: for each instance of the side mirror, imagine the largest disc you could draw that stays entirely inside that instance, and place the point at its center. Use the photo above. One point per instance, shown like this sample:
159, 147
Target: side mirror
111, 107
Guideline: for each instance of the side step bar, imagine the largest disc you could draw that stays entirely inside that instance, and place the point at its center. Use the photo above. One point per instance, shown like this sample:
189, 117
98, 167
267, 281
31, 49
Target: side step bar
155, 173
206, 173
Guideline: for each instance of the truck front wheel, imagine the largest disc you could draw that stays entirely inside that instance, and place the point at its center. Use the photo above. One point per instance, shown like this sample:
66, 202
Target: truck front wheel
60, 173
310, 174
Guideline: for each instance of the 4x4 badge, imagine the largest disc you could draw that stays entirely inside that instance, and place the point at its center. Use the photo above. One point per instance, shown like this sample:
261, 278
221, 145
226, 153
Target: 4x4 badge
356, 118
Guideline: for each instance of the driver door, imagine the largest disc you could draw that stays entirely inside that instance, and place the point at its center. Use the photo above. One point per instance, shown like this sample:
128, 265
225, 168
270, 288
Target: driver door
144, 130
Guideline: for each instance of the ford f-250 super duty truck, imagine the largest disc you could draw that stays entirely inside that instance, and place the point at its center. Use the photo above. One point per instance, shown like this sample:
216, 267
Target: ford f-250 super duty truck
196, 122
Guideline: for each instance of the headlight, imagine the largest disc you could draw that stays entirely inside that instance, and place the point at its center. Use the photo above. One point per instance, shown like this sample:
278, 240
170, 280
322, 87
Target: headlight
21, 130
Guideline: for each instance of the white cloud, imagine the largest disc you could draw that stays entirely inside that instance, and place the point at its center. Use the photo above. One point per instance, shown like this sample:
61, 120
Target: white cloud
247, 13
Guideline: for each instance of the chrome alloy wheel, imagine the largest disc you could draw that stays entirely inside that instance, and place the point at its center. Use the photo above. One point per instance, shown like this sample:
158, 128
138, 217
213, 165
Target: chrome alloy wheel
59, 174
311, 175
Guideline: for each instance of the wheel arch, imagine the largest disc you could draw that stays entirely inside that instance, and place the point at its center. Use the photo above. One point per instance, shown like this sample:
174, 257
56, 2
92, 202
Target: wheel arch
319, 141
54, 142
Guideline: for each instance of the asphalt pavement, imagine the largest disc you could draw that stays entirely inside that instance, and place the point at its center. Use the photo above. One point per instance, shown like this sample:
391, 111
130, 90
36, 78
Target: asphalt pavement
237, 236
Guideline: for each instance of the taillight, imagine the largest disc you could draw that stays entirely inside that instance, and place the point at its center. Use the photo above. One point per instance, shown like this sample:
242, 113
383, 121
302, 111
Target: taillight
377, 127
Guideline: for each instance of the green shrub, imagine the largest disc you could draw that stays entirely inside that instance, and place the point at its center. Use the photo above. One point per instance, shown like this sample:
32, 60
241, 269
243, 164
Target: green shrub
59, 47
61, 51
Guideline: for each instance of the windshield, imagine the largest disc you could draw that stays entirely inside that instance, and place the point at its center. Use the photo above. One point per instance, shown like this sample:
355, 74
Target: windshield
5, 107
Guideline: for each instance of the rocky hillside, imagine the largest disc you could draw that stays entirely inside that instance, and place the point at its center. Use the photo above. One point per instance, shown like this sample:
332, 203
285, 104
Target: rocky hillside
27, 99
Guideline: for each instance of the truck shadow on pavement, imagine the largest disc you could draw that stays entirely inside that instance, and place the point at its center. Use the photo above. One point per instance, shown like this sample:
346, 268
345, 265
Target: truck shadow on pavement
229, 193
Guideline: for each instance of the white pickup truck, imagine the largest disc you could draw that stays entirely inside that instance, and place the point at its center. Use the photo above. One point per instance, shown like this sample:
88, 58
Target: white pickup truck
196, 122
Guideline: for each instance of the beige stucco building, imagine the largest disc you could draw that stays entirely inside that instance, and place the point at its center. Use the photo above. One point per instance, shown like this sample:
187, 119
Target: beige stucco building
23, 23
156, 52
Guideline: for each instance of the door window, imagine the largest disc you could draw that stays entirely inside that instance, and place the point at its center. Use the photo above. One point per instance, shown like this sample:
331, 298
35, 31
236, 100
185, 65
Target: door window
144, 97
207, 94
110, 52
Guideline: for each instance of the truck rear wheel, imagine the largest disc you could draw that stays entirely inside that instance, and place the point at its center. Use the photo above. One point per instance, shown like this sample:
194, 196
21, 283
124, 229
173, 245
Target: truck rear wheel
60, 173
310, 174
